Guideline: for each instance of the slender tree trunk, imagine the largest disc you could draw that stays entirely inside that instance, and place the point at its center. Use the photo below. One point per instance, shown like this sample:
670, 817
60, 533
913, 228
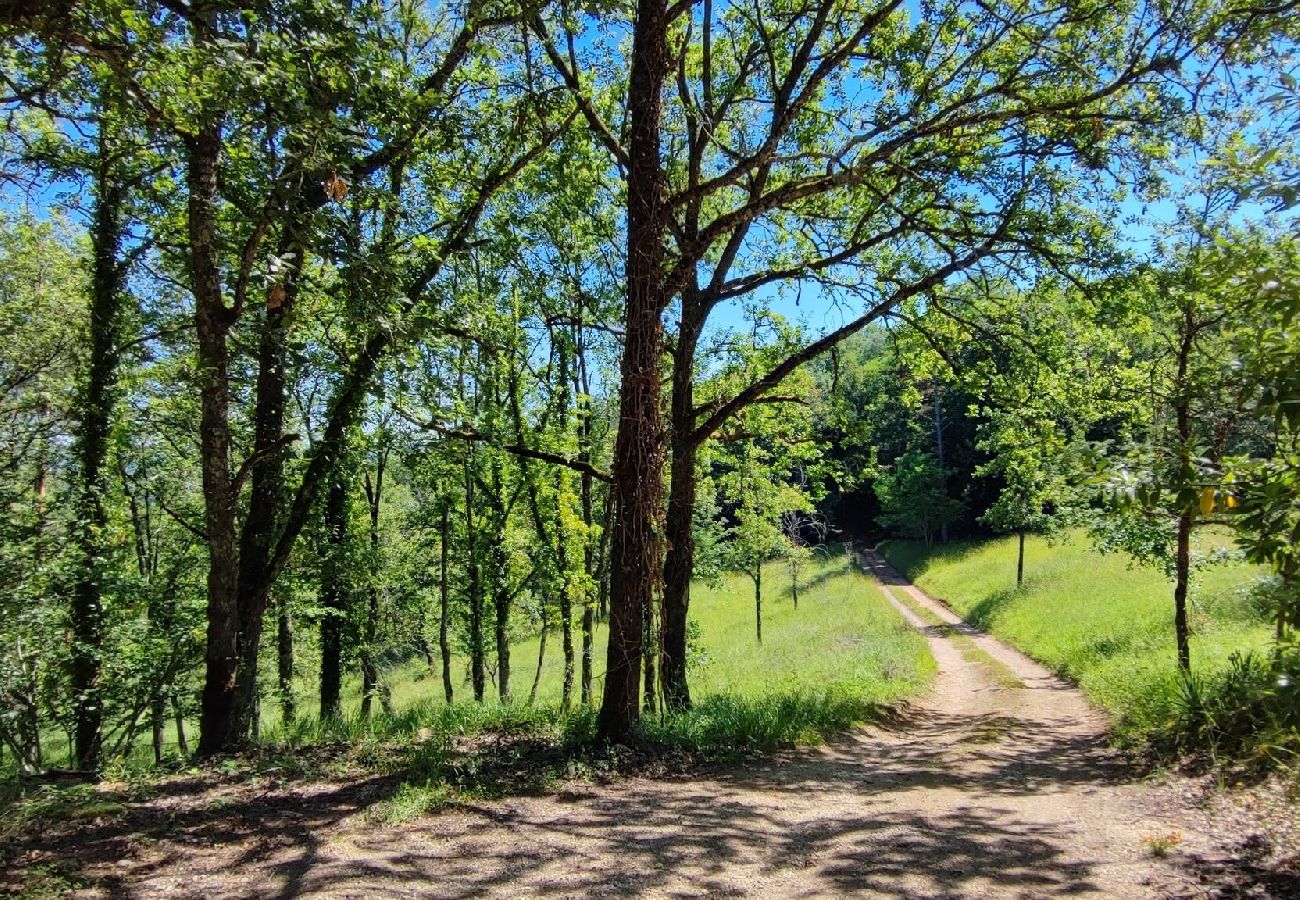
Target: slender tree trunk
444, 611
370, 682
758, 601
566, 621
794, 577
679, 564
500, 579
588, 521
561, 544
157, 721
938, 440
179, 716
636, 564
265, 497
541, 659
476, 653
1020, 560
95, 402
1182, 576
1183, 541
605, 559
335, 598
284, 659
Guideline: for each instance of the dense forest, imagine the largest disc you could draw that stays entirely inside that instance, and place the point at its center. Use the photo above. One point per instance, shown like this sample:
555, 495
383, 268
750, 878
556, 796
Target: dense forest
341, 338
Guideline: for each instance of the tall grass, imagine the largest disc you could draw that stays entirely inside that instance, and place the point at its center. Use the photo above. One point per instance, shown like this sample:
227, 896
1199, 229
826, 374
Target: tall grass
1103, 623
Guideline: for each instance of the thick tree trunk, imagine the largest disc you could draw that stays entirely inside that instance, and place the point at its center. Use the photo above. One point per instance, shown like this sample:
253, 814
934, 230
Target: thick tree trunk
335, 597
95, 403
444, 610
639, 445
218, 726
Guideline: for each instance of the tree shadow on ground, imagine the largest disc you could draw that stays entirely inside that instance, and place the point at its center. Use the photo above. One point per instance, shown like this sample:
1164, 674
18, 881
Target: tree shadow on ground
675, 835
986, 610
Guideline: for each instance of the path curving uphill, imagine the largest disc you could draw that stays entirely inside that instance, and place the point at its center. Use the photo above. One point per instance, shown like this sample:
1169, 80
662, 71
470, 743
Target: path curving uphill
997, 783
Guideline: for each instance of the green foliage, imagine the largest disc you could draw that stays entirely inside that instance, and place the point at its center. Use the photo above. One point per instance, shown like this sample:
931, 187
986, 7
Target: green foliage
1248, 712
914, 497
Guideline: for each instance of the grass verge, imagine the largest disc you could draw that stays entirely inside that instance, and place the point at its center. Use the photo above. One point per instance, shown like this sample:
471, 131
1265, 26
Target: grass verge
1109, 627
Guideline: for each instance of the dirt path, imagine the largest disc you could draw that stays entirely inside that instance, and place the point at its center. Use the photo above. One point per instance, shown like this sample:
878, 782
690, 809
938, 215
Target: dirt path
998, 784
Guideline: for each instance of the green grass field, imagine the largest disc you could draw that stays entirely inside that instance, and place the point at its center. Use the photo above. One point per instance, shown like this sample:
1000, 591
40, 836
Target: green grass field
1094, 618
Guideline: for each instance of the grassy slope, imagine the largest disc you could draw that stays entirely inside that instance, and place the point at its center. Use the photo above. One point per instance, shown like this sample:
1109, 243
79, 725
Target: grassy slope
842, 633
820, 668
1091, 617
